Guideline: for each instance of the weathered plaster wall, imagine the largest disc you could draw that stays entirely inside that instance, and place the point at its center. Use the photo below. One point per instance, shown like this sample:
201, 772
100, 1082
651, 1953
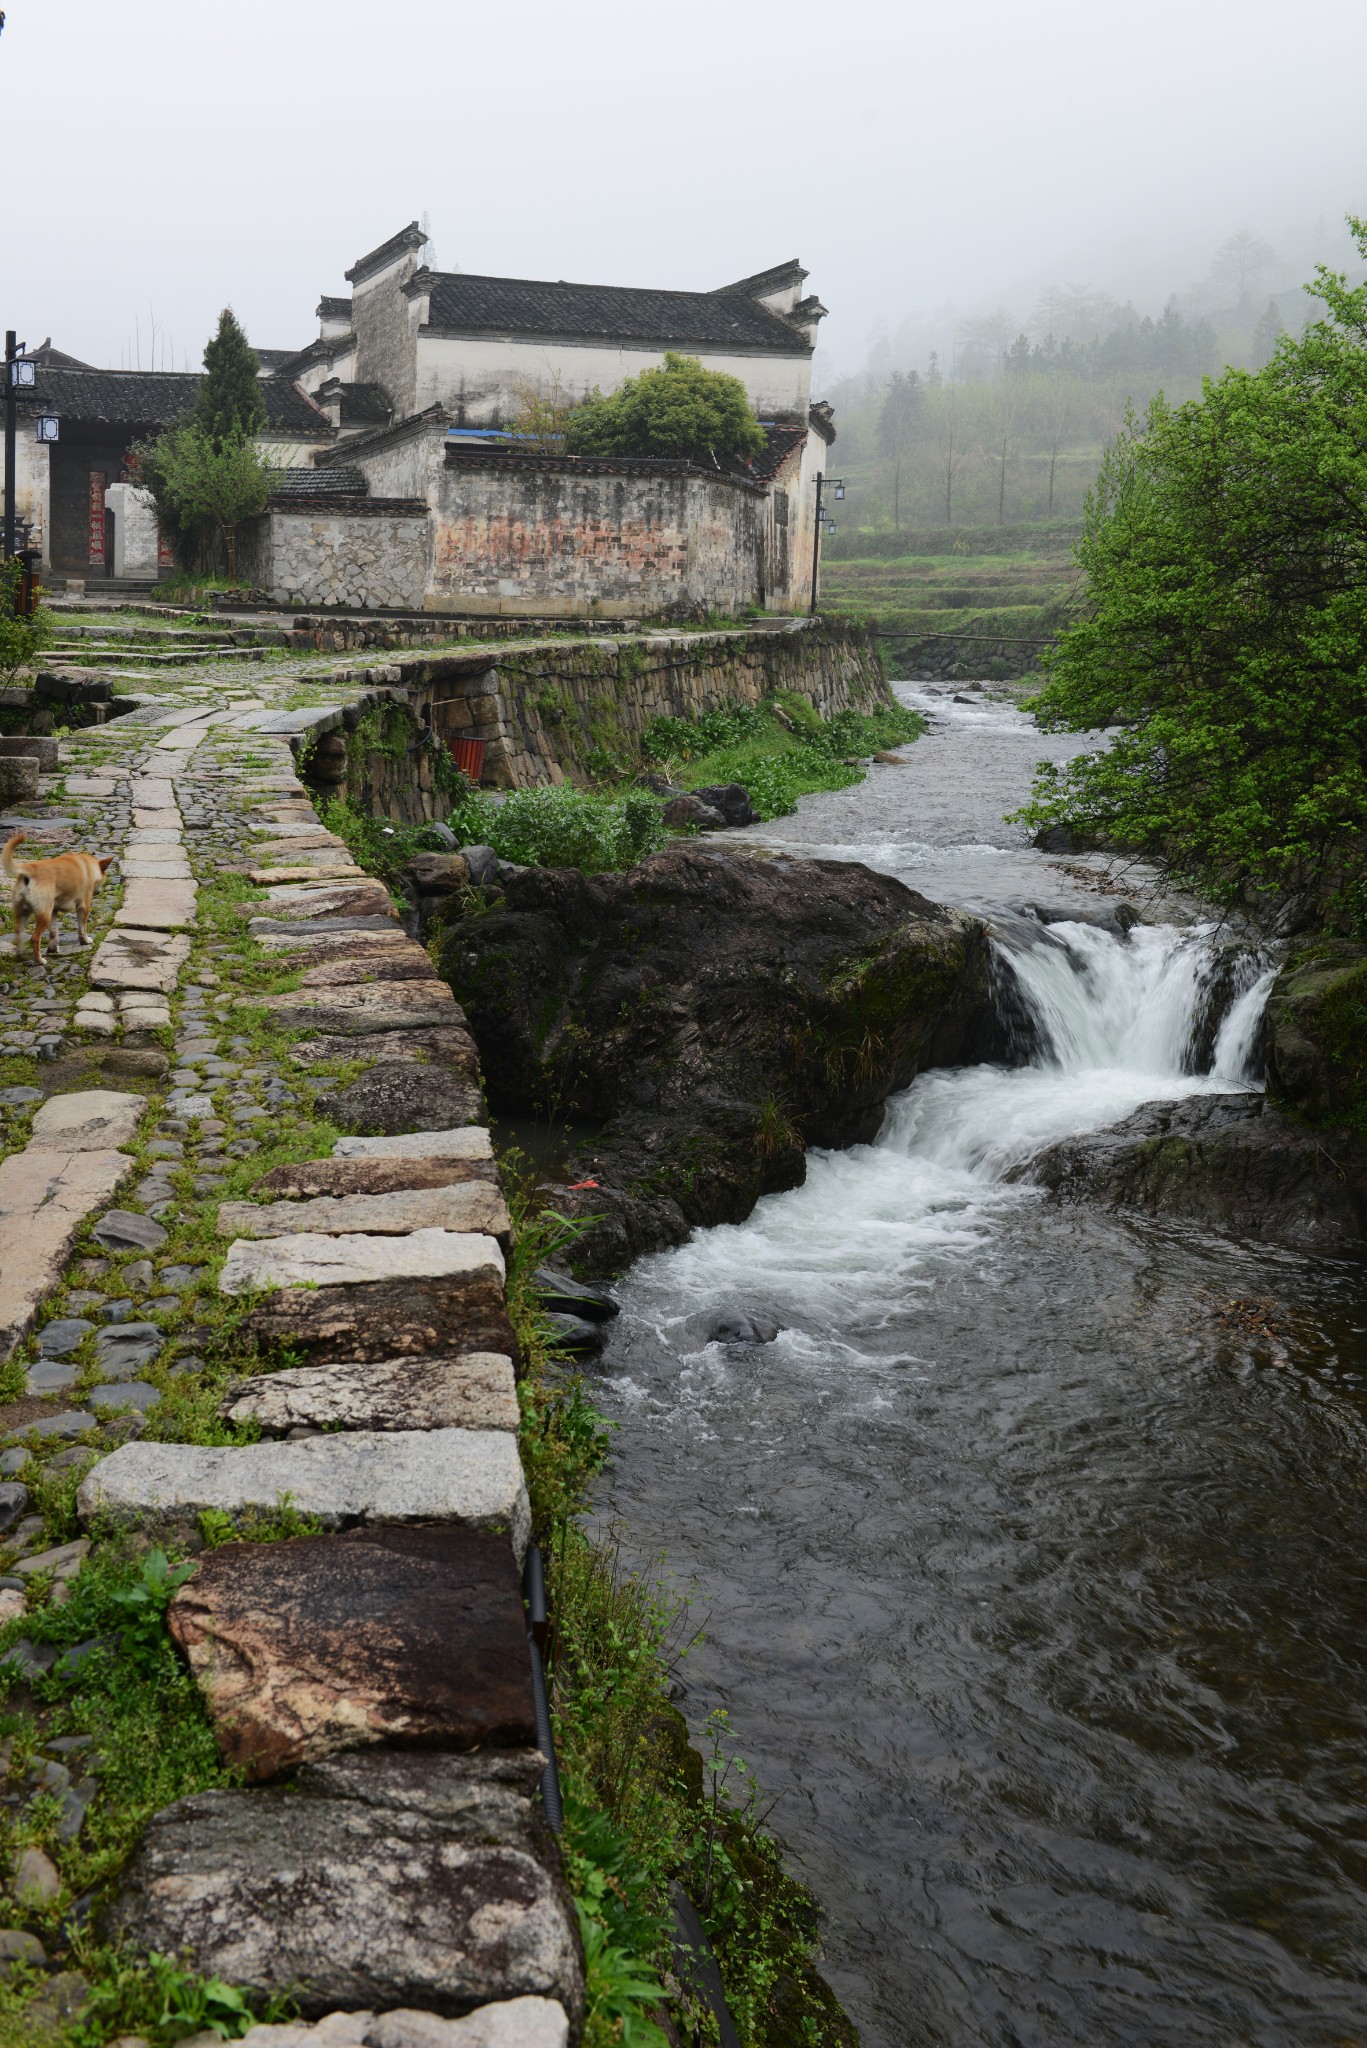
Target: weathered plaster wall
372, 558
549, 538
476, 376
385, 325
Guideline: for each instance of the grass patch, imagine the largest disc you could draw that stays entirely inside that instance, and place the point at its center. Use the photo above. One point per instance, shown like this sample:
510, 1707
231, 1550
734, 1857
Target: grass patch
780, 751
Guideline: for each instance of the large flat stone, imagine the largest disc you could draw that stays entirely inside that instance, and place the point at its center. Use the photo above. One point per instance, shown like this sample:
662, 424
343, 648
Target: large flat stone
367, 1006
140, 959
156, 906
477, 1391
396, 963
150, 867
467, 1206
386, 1318
470, 1141
437, 1045
313, 1260
300, 842
412, 1637
329, 871
469, 1477
92, 1120
334, 899
153, 793
291, 932
45, 1197
401, 1099
338, 1177
156, 821
356, 1902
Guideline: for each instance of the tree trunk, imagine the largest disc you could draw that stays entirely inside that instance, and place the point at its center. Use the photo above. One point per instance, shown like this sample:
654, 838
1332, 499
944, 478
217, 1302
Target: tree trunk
897, 495
230, 545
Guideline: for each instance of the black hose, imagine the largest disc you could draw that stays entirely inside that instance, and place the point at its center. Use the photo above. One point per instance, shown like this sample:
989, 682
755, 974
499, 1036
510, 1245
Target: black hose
550, 1777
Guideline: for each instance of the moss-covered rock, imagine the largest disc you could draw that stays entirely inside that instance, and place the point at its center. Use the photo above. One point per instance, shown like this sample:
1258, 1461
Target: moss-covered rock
1317, 1035
715, 1015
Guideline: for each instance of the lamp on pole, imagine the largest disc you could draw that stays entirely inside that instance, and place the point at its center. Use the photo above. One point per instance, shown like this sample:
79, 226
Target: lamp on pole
836, 486
18, 372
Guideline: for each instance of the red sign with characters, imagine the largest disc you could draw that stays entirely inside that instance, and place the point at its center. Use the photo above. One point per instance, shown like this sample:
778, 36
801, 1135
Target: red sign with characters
98, 483
166, 554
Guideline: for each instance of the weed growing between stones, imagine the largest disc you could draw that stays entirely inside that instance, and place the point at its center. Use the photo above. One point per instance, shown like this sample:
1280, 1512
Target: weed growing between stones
642, 1812
564, 827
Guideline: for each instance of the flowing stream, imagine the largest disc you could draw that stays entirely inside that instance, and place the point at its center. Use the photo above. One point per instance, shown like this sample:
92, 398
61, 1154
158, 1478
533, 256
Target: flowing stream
1029, 1556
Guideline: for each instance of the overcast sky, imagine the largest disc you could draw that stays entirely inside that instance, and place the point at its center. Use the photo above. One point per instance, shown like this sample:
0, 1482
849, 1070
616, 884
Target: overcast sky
165, 157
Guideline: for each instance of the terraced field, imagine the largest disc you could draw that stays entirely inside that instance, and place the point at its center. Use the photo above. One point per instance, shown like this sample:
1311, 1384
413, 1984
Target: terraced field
979, 601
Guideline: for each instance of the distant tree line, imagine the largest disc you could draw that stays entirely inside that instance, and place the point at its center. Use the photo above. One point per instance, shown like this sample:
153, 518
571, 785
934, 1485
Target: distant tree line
1015, 425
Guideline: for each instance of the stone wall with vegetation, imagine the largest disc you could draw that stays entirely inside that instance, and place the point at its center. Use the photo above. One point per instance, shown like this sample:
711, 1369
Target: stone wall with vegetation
371, 555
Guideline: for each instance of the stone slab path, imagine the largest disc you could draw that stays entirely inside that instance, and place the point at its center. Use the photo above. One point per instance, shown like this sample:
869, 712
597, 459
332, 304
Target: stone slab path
405, 1875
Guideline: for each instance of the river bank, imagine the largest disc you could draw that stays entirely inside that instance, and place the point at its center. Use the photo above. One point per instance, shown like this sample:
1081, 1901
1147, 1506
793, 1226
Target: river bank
1020, 1544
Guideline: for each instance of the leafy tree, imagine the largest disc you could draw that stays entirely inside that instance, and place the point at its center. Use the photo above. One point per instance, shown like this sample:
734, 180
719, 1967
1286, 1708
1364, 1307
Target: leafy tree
229, 406
680, 410
1241, 261
201, 488
1267, 334
1226, 549
21, 639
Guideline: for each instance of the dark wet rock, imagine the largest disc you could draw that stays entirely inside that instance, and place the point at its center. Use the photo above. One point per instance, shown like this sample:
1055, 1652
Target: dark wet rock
732, 799
123, 1230
572, 1297
19, 1950
1058, 839
573, 1334
292, 1891
482, 862
718, 1014
122, 1352
71, 1422
336, 1177
1317, 1033
327, 1643
687, 809
394, 1098
1231, 1162
387, 1319
50, 1376
14, 1500
437, 874
140, 1395
437, 838
60, 1339
742, 1326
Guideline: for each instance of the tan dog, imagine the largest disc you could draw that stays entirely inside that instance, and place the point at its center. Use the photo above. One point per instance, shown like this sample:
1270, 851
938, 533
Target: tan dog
43, 887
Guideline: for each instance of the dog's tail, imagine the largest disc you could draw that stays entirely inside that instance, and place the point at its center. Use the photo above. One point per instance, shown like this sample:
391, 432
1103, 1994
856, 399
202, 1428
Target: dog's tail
7, 852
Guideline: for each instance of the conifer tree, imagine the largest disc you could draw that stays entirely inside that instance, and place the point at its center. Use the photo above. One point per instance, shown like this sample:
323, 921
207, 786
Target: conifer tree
230, 407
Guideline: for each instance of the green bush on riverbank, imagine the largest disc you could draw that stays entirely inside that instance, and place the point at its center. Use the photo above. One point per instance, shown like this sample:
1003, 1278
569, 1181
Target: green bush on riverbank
780, 751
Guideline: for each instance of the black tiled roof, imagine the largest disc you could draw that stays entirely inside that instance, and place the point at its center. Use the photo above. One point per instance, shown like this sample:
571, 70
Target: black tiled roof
334, 309
337, 481
154, 398
518, 305
365, 405
270, 359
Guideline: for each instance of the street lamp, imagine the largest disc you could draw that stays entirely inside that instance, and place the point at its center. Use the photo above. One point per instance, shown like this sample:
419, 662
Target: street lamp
18, 373
837, 486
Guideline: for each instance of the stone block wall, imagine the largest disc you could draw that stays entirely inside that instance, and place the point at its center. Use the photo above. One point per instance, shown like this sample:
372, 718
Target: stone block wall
572, 537
550, 712
372, 554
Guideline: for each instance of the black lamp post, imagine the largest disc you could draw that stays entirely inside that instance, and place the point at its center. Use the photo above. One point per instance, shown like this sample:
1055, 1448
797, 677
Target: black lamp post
19, 373
836, 485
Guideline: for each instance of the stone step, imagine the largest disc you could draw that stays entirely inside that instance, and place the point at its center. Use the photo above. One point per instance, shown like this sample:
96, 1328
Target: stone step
370, 1006
300, 872
403, 1098
470, 1141
470, 1477
152, 905
469, 1206
442, 1045
375, 1882
340, 1177
141, 960
352, 1259
319, 1644
330, 899
476, 1391
395, 963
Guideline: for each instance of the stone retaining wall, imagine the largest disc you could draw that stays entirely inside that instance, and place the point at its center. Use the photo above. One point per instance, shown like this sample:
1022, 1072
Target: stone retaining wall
564, 710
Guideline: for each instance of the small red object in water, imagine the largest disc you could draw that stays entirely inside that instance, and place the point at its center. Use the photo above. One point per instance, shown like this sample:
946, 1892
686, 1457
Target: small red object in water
582, 1184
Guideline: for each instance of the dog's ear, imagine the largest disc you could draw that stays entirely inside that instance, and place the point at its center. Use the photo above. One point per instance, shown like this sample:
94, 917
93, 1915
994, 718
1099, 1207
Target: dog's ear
104, 865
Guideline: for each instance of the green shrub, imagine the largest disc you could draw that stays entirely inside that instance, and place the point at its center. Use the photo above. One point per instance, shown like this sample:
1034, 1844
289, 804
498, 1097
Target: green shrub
564, 827
777, 763
21, 639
